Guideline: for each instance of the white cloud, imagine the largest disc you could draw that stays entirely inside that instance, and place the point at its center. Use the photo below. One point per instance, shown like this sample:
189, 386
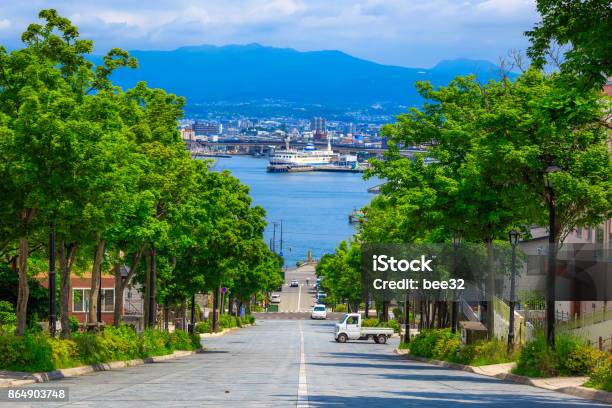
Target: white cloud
414, 33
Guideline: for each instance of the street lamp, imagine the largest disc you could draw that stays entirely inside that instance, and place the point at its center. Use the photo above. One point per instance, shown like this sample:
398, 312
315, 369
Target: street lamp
455, 305
552, 257
513, 237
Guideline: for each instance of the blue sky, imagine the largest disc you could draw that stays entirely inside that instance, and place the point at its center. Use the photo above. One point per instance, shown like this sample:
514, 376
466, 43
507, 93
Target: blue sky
416, 33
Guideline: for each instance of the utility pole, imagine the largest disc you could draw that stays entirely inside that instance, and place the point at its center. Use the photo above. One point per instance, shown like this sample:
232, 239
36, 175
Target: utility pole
281, 253
274, 224
52, 283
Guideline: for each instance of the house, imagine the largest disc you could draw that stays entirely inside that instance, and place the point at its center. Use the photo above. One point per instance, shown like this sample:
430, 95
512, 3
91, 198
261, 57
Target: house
132, 304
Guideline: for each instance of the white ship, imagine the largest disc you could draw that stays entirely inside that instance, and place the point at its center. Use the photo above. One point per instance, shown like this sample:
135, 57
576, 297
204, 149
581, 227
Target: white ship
308, 157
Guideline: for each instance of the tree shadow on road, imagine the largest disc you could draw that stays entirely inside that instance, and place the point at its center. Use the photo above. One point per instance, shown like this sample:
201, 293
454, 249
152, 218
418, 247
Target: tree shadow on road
446, 399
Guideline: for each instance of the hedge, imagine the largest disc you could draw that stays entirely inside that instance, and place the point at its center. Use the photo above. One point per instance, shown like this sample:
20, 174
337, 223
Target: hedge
37, 351
225, 322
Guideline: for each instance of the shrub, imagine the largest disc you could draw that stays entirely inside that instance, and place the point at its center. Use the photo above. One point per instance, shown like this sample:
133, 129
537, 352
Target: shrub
484, 352
431, 344
196, 342
601, 376
122, 342
575, 356
341, 308
155, 343
7, 313
39, 352
65, 353
572, 356
370, 322
74, 324
203, 326
250, 319
227, 321
180, 340
397, 312
392, 324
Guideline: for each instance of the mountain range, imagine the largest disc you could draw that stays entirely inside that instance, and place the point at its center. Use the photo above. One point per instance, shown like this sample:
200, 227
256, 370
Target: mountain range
235, 74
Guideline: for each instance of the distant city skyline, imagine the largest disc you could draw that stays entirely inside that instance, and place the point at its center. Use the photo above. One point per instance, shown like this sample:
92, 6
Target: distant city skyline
416, 33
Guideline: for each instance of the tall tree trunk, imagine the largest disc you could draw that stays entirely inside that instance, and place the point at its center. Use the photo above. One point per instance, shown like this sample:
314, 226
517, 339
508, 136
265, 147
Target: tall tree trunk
215, 318
147, 288
490, 289
384, 315
23, 290
96, 273
67, 253
120, 285
184, 314
230, 304
153, 288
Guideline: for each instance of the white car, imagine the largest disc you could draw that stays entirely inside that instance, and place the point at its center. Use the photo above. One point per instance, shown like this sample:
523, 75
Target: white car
294, 283
275, 298
319, 312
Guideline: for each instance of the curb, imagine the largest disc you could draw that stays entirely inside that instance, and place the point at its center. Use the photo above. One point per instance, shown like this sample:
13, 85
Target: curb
82, 370
223, 332
576, 391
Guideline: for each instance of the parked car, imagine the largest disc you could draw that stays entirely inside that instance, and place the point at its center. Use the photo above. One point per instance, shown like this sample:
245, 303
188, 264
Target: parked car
294, 283
350, 328
275, 298
319, 312
321, 297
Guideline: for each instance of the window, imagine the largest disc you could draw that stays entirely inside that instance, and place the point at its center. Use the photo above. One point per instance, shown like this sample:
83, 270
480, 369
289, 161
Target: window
579, 232
80, 300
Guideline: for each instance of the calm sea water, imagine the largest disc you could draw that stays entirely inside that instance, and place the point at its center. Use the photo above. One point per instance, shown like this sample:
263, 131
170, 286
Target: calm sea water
314, 206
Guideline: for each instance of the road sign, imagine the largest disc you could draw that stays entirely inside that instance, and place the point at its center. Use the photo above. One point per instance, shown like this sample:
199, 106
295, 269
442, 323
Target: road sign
223, 290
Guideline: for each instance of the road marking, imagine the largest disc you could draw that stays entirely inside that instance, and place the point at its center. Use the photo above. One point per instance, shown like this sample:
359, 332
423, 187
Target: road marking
302, 397
299, 297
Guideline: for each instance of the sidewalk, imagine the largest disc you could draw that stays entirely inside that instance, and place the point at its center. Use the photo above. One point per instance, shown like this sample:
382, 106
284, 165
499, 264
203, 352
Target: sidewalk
567, 385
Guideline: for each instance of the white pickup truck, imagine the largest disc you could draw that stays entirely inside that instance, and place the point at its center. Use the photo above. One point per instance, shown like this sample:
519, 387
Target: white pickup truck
350, 328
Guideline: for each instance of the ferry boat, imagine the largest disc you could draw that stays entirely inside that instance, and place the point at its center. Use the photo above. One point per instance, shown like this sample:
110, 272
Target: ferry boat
307, 157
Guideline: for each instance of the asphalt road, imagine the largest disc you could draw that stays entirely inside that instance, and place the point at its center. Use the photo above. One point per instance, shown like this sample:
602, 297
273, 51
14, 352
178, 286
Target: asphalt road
296, 363
301, 298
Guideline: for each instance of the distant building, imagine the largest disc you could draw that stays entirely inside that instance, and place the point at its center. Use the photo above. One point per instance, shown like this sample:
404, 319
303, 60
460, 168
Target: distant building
188, 134
318, 127
207, 129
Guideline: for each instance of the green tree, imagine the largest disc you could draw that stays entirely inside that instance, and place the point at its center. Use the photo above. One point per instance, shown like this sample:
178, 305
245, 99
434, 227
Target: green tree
584, 28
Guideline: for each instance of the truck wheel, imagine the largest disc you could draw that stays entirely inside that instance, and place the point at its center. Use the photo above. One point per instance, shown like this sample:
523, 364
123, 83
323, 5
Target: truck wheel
342, 338
381, 339
375, 338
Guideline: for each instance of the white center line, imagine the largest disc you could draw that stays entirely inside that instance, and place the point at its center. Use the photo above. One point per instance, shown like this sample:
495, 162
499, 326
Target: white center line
299, 307
302, 397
